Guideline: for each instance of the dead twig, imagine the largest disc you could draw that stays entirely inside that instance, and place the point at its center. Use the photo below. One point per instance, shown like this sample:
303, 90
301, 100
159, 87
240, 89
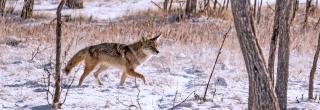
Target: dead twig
182, 101
174, 99
69, 86
156, 4
37, 51
219, 52
67, 49
138, 95
48, 83
269, 6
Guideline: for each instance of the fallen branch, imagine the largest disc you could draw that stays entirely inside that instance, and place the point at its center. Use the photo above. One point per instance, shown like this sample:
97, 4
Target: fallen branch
219, 52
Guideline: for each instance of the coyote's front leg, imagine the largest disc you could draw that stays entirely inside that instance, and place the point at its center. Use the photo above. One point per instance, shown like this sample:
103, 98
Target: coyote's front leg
131, 72
123, 78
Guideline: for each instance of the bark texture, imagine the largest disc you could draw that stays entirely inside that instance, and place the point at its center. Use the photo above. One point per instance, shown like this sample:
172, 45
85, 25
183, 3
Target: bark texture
285, 9
56, 100
313, 70
261, 93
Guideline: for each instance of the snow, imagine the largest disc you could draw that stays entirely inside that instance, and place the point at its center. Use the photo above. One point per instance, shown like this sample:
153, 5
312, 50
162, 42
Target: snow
98, 9
23, 86
173, 74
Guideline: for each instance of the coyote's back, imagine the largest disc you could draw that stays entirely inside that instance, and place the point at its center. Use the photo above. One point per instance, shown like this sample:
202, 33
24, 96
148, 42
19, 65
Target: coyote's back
122, 56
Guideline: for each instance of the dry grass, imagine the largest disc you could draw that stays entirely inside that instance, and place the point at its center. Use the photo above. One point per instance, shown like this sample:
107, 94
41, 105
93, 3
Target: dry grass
197, 32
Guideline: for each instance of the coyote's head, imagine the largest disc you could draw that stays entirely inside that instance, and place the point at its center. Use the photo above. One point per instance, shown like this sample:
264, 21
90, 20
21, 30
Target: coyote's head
151, 45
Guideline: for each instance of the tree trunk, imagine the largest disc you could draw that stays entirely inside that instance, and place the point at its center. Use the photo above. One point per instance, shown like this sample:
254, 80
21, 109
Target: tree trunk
27, 9
261, 93
165, 5
295, 8
227, 5
57, 93
207, 4
274, 41
2, 6
75, 4
223, 6
284, 6
313, 70
259, 12
308, 5
254, 8
188, 6
215, 4
170, 5
191, 7
194, 6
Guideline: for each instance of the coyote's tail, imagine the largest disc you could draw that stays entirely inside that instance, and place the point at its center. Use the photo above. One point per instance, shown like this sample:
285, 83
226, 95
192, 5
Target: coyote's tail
75, 60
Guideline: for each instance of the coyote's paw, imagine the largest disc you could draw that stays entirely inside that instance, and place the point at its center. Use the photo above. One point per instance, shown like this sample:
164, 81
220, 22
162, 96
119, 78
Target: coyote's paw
145, 81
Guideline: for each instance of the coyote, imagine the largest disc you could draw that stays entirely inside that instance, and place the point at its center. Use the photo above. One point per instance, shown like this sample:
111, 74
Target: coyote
124, 57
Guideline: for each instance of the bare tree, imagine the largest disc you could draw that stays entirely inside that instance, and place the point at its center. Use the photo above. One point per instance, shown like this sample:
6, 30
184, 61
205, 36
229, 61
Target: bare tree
2, 6
167, 4
215, 4
313, 70
259, 12
295, 7
75, 4
27, 10
254, 8
280, 22
206, 4
194, 6
308, 7
191, 6
56, 100
284, 8
261, 93
222, 6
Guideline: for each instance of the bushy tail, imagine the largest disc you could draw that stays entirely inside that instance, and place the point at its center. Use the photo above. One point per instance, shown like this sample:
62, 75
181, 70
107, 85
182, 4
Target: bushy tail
75, 60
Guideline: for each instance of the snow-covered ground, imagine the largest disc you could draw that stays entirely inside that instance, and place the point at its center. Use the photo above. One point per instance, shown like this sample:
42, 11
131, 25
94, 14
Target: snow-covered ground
100, 9
97, 9
173, 75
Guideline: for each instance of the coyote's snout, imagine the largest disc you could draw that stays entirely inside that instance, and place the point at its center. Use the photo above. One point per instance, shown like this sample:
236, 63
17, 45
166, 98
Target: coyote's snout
122, 56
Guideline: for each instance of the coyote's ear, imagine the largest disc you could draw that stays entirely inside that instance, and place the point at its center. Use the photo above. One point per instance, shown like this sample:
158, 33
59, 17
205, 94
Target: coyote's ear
156, 38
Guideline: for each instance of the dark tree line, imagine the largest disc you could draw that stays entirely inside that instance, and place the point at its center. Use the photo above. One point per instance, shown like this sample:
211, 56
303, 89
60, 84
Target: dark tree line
27, 10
